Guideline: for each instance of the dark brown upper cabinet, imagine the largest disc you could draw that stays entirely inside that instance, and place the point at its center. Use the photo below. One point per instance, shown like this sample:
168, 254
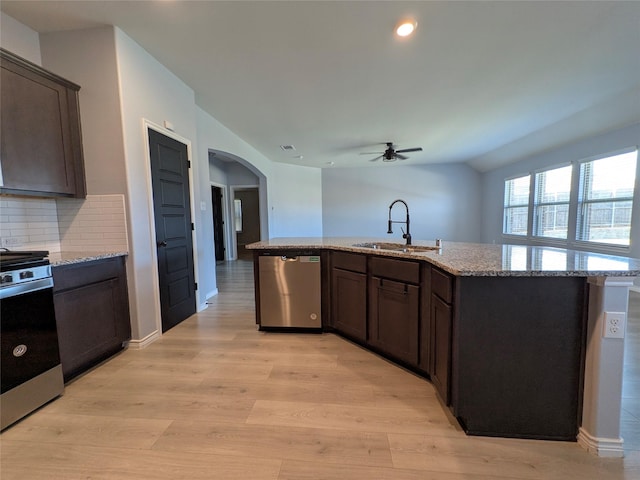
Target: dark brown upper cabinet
41, 152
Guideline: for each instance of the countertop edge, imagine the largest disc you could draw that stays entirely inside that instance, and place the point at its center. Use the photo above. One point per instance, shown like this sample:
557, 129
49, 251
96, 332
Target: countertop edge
58, 259
432, 258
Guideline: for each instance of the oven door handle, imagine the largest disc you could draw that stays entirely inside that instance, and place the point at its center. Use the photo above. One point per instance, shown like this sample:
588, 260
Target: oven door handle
27, 287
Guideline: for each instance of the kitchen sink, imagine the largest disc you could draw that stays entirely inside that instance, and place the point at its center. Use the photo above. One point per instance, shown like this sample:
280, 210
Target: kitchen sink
397, 247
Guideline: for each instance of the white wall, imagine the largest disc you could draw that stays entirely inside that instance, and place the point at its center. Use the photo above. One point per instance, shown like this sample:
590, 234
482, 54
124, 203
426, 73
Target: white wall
493, 182
217, 170
238, 174
444, 201
19, 39
286, 190
149, 91
296, 206
88, 58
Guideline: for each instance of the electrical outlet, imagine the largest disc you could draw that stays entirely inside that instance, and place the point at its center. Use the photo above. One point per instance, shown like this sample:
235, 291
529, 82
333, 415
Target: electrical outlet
614, 324
12, 242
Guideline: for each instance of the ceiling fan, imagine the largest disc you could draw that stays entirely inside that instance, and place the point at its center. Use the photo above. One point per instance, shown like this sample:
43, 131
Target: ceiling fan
391, 154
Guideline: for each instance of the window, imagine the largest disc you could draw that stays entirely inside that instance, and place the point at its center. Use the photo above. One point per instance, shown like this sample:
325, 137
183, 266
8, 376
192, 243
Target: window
605, 199
551, 203
516, 205
585, 202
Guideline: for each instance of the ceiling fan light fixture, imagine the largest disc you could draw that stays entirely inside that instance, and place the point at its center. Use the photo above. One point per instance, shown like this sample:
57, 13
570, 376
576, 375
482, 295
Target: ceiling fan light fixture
406, 27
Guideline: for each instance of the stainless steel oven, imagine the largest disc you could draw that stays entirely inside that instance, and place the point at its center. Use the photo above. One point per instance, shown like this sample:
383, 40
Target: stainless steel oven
31, 374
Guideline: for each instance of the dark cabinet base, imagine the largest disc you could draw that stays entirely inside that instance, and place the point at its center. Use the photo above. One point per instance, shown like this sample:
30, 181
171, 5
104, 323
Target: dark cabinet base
394, 318
518, 348
92, 313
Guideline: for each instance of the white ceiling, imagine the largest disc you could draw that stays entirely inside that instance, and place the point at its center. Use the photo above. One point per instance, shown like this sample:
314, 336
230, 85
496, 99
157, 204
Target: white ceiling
486, 83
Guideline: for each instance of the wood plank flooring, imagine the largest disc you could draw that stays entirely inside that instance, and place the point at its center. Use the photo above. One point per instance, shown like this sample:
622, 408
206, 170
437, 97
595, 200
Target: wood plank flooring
216, 399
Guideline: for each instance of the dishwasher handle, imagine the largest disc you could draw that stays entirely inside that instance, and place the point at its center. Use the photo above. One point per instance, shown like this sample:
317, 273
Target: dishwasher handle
287, 258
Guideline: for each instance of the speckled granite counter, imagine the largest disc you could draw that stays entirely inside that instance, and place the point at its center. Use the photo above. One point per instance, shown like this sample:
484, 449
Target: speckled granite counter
479, 259
68, 258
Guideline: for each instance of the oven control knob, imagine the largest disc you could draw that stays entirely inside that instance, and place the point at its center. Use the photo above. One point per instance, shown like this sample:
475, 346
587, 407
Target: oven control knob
20, 350
6, 279
26, 274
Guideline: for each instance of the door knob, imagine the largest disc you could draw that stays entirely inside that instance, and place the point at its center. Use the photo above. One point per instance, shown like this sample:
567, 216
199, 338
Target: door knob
163, 243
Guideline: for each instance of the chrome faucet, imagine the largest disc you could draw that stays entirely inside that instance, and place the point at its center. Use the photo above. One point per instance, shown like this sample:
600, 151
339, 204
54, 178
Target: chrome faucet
406, 235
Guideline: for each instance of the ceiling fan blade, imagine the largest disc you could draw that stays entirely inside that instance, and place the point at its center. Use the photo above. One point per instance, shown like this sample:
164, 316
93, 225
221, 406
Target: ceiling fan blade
405, 150
371, 153
376, 159
401, 157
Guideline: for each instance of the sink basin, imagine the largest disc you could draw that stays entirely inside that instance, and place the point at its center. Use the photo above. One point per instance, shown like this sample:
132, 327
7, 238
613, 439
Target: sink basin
396, 247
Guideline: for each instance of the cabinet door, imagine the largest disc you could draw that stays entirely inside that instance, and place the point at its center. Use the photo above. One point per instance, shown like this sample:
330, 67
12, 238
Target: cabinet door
441, 322
424, 360
41, 148
349, 303
393, 318
92, 313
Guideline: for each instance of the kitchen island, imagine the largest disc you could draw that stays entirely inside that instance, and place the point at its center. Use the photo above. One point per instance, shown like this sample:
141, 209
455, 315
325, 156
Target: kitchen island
510, 335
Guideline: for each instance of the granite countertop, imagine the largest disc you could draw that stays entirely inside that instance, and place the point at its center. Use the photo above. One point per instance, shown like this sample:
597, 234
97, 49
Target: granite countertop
68, 258
479, 259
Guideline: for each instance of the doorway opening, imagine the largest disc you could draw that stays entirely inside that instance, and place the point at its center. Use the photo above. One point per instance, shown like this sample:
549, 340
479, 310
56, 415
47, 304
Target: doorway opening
217, 201
246, 209
242, 196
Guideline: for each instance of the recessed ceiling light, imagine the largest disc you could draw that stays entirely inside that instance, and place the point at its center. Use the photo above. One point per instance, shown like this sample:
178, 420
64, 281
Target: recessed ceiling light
287, 147
406, 27
299, 157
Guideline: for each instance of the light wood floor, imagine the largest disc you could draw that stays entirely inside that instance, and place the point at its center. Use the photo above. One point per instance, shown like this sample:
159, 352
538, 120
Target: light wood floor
216, 399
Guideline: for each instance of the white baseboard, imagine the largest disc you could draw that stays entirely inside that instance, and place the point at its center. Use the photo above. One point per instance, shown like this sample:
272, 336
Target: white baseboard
144, 342
602, 447
212, 293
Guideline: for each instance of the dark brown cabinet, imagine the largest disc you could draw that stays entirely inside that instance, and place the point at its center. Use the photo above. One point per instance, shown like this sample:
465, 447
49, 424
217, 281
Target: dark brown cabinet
424, 357
41, 141
440, 367
349, 295
441, 320
92, 312
394, 308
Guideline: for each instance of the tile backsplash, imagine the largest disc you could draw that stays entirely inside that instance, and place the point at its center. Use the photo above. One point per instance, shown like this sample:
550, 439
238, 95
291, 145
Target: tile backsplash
29, 224
96, 224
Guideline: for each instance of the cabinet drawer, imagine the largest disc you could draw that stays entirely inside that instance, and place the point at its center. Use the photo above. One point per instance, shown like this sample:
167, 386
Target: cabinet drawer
395, 269
350, 261
85, 273
442, 285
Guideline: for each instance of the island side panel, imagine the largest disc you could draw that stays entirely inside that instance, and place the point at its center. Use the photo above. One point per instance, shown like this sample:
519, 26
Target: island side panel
518, 345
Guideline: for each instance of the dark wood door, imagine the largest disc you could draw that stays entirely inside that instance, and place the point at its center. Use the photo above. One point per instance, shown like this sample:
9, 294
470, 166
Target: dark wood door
172, 212
349, 303
218, 223
394, 318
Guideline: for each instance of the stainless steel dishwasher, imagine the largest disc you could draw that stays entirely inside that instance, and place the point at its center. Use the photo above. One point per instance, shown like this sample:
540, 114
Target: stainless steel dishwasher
290, 291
